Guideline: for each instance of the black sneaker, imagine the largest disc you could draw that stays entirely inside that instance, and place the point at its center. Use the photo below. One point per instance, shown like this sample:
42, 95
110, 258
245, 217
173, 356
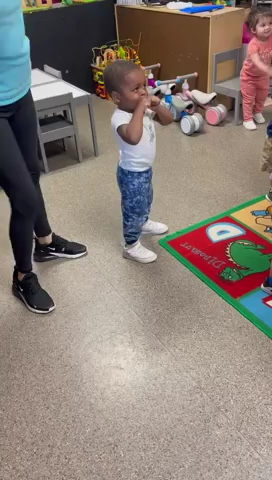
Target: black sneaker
30, 292
269, 195
59, 248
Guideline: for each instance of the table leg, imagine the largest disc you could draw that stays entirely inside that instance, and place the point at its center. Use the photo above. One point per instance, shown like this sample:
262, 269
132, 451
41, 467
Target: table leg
93, 129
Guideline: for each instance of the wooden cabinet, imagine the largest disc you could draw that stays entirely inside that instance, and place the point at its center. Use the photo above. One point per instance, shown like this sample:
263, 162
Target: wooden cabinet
182, 43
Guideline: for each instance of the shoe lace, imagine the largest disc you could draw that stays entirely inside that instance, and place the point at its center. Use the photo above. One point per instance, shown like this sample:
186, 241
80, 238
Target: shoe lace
31, 284
141, 249
148, 223
59, 241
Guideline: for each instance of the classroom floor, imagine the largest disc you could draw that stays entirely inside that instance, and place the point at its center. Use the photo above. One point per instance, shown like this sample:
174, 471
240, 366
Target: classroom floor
142, 372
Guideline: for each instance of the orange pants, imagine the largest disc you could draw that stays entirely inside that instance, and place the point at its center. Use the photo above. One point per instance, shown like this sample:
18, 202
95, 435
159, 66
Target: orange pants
254, 91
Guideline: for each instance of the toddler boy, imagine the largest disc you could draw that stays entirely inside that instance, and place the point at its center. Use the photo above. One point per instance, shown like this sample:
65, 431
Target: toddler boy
133, 126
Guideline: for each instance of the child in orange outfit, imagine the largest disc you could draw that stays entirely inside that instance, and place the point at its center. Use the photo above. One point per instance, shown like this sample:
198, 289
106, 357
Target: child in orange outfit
257, 68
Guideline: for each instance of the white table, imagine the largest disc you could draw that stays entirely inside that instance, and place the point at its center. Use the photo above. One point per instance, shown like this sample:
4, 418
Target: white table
45, 86
40, 78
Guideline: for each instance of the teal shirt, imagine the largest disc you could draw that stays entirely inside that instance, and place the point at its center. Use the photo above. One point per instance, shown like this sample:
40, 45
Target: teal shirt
15, 67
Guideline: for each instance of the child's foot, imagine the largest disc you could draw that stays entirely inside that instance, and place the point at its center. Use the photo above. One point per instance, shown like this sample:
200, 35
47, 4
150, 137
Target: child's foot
269, 195
267, 286
154, 228
139, 253
259, 118
250, 125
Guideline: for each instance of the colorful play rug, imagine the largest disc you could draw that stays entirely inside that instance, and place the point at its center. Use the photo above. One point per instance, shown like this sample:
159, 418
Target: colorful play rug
231, 253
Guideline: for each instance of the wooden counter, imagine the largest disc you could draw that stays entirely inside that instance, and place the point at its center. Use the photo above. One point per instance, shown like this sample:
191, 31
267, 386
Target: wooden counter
182, 43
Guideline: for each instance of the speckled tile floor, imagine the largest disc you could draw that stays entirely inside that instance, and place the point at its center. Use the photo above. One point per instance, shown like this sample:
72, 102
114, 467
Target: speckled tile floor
142, 372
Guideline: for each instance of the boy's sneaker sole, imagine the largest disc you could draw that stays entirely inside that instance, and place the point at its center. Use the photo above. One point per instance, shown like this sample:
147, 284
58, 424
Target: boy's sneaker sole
139, 260
146, 260
266, 289
269, 199
18, 295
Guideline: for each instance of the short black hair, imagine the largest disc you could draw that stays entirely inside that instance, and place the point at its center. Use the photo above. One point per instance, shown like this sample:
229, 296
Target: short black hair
114, 74
255, 14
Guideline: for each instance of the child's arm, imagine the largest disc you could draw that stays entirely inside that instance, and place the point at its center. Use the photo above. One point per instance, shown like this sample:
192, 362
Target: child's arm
253, 53
162, 114
255, 57
132, 132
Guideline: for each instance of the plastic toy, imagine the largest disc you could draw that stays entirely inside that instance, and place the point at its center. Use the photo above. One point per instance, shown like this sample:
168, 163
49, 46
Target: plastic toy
150, 77
41, 3
214, 115
175, 103
190, 124
179, 106
204, 8
106, 54
32, 5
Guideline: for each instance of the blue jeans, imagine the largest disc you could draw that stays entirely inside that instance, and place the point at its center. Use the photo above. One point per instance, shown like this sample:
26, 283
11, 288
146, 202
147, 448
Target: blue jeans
136, 200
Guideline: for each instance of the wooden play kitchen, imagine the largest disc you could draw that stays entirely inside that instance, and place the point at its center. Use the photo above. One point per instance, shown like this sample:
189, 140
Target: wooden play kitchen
180, 42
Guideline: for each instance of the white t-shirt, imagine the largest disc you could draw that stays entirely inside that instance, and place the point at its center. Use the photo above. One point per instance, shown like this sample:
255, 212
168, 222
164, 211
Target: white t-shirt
140, 157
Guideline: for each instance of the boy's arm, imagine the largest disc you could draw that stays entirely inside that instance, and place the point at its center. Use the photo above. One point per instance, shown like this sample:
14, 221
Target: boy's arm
162, 114
132, 132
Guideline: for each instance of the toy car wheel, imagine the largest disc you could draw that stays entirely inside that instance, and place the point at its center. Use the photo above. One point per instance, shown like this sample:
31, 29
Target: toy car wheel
213, 116
187, 125
199, 122
223, 110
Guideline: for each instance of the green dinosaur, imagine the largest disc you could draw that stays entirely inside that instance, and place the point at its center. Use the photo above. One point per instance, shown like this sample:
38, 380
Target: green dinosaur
248, 257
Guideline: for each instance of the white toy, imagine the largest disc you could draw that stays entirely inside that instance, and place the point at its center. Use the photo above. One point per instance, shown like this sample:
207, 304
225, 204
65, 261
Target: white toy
190, 124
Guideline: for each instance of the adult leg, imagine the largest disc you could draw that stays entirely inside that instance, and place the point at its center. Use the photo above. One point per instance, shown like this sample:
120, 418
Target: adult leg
48, 246
24, 127
16, 183
18, 186
134, 188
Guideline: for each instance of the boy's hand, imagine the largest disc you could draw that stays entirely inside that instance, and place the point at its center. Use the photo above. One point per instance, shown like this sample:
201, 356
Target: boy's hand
155, 103
144, 103
163, 114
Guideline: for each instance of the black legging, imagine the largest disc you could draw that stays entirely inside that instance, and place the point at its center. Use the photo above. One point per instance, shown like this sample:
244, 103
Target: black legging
19, 178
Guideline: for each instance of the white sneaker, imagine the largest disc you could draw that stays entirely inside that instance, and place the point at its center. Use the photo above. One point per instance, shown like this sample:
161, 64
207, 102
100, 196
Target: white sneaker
154, 228
139, 253
250, 125
259, 118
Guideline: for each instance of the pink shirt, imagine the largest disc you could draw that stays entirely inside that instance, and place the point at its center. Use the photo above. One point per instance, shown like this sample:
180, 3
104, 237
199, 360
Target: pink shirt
264, 50
247, 35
